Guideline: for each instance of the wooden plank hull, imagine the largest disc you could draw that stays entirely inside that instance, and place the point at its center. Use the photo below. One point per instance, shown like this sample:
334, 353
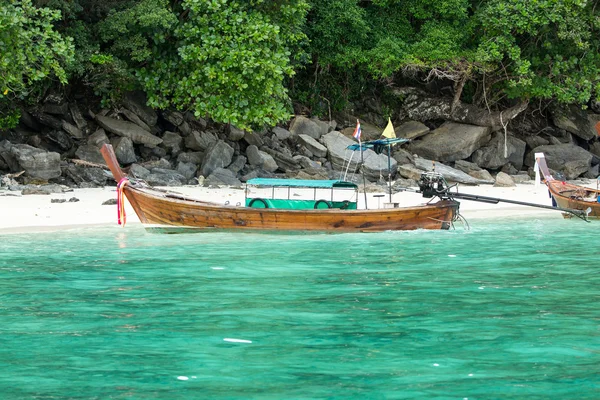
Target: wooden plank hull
172, 213
568, 195
574, 197
166, 214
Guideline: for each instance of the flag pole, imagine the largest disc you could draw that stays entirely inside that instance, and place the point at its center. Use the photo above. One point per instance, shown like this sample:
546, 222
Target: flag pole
390, 170
362, 161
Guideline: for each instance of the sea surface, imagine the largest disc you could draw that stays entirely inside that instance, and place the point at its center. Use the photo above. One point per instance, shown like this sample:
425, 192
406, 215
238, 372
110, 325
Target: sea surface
509, 309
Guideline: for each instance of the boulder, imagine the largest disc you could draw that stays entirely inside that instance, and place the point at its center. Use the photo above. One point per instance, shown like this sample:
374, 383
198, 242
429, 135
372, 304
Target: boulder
376, 166
80, 122
222, 176
200, 140
37, 163
449, 173
89, 153
574, 120
254, 138
313, 146
123, 147
130, 130
284, 162
338, 153
568, 159
219, 155
173, 142
133, 117
98, 138
281, 133
237, 164
451, 142
235, 134
136, 102
187, 169
305, 126
72, 130
261, 159
61, 139
504, 180
491, 155
411, 130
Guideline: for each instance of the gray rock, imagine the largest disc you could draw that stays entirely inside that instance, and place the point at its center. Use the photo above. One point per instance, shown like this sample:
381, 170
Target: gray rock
402, 156
187, 169
37, 163
451, 142
504, 180
313, 146
482, 174
46, 119
138, 171
260, 159
235, 134
222, 176
173, 142
200, 140
123, 147
61, 139
574, 120
338, 153
72, 130
281, 134
136, 102
412, 130
376, 166
133, 117
409, 171
174, 117
304, 126
98, 138
130, 130
466, 166
87, 175
284, 162
219, 155
77, 116
491, 155
237, 164
568, 159
449, 173
194, 157
89, 153
254, 138
165, 177
56, 109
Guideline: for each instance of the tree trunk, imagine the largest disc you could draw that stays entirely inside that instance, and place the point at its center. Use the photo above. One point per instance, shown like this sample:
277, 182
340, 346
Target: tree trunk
421, 106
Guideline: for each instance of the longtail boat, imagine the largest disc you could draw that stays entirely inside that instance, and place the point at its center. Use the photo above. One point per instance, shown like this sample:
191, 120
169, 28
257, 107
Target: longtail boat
566, 195
169, 212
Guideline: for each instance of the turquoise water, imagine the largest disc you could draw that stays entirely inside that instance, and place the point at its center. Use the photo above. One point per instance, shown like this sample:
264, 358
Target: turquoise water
507, 310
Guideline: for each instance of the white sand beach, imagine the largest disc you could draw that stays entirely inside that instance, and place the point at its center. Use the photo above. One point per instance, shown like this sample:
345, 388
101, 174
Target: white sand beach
34, 213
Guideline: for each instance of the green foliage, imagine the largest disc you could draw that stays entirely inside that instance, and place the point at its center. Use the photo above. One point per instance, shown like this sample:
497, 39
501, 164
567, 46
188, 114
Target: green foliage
31, 52
545, 49
227, 60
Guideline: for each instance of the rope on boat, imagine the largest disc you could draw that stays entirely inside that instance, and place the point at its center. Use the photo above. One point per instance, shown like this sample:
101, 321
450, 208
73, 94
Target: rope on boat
121, 216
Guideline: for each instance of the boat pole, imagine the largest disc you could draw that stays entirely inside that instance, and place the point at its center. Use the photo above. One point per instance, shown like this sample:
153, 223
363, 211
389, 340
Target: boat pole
362, 161
390, 170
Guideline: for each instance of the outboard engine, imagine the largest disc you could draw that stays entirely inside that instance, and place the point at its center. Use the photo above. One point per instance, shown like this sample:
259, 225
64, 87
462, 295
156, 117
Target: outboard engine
433, 184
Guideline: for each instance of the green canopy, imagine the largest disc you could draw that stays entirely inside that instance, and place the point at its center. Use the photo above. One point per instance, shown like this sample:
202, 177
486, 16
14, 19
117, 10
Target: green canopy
300, 183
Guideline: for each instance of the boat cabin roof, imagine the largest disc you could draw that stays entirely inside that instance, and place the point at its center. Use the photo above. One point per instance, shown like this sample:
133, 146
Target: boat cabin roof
301, 183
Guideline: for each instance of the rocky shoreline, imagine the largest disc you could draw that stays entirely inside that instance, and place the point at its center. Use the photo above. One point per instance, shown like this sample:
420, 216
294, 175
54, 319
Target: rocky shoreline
56, 146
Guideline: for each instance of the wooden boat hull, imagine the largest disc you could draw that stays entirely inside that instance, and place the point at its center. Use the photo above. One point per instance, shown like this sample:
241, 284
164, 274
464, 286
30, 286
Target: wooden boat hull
168, 212
567, 195
570, 196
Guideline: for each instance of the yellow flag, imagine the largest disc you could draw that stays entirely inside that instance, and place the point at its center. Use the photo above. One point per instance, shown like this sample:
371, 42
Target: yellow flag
389, 132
